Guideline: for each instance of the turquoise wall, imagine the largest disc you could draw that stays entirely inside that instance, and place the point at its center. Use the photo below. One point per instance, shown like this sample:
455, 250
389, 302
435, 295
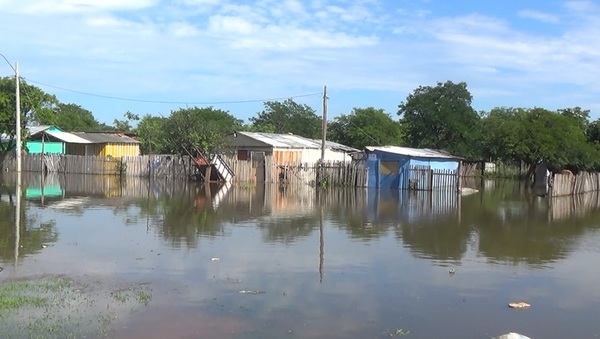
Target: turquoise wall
35, 147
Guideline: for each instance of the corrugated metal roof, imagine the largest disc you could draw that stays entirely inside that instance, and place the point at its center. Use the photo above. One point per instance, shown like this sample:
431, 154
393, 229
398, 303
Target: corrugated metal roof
413, 152
101, 138
37, 129
294, 141
67, 137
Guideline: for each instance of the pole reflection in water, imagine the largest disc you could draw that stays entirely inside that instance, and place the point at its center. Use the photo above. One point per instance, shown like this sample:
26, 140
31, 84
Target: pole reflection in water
321, 245
18, 219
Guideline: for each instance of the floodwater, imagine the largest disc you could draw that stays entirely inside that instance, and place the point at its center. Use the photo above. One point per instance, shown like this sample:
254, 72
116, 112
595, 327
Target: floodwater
247, 262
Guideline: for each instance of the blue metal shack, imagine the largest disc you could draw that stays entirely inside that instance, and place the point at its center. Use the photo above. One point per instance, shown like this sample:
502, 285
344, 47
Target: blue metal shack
389, 166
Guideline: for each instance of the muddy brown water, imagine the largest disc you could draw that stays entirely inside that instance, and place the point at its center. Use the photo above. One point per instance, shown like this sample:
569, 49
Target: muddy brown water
272, 262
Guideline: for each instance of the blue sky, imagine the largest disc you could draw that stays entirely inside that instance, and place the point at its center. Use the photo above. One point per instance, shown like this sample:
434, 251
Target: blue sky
367, 52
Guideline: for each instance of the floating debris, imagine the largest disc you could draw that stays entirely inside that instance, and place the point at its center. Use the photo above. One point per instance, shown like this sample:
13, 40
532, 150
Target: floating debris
215, 259
512, 335
44, 246
520, 304
1, 268
251, 292
452, 271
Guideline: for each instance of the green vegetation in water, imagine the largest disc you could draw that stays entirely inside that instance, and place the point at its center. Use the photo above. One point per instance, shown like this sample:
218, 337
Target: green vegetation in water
121, 167
56, 307
144, 297
30, 293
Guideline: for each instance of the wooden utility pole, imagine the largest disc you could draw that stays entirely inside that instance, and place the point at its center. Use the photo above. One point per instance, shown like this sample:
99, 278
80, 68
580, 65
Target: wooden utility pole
324, 133
18, 118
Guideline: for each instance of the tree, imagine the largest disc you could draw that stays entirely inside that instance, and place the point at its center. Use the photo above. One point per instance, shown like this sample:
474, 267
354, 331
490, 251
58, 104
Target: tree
150, 131
535, 135
440, 117
502, 130
36, 106
74, 118
579, 116
288, 117
193, 130
364, 127
125, 125
592, 132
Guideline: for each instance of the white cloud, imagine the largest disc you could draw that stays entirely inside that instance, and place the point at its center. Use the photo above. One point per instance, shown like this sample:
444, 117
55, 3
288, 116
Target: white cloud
200, 2
539, 16
182, 29
229, 50
109, 21
44, 7
220, 24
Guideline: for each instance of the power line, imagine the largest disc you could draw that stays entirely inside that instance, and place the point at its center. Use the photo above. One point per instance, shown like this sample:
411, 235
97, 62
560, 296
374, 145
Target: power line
173, 102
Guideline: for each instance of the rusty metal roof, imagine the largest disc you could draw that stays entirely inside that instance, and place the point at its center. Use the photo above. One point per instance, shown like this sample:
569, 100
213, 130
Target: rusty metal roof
295, 141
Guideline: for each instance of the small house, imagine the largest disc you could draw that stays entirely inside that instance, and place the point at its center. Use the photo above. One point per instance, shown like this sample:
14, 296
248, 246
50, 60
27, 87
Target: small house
48, 139
411, 168
286, 148
104, 145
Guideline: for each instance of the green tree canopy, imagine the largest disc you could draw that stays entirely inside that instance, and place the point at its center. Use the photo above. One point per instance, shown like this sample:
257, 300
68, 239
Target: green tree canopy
125, 124
441, 117
193, 130
534, 135
288, 117
74, 118
151, 133
580, 116
36, 105
364, 127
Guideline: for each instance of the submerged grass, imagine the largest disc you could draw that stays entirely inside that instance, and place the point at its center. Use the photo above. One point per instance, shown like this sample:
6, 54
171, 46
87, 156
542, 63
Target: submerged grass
29, 293
56, 307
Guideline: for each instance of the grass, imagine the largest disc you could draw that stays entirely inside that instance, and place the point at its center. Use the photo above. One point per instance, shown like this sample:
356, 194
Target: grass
144, 297
30, 293
56, 307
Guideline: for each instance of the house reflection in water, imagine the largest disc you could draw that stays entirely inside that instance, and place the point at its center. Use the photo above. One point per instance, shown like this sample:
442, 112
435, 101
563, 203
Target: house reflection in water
403, 206
40, 188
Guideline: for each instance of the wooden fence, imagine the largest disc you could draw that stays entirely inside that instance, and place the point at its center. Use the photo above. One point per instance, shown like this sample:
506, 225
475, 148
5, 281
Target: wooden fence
579, 205
264, 169
132, 166
427, 179
257, 170
569, 184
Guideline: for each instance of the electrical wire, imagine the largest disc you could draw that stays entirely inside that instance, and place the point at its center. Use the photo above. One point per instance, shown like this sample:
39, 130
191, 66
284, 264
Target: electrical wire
174, 102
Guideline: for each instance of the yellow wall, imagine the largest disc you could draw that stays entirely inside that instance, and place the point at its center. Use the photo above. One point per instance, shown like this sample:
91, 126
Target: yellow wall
104, 150
119, 150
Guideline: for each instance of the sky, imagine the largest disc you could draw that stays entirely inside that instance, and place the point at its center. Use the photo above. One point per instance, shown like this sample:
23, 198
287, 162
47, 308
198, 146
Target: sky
155, 56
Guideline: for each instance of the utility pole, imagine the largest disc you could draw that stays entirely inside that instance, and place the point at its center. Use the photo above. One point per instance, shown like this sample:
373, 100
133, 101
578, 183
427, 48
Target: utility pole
324, 134
18, 118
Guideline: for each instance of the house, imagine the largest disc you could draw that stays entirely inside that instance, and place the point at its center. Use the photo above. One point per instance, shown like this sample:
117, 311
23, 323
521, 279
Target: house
48, 139
285, 148
104, 145
52, 140
411, 168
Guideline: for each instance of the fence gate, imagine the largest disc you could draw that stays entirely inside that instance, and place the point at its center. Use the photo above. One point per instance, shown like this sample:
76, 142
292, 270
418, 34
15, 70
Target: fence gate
424, 178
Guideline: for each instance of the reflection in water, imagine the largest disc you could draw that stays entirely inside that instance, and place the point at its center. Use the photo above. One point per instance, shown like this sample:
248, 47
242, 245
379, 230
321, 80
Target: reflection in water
500, 220
384, 250
22, 233
18, 219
